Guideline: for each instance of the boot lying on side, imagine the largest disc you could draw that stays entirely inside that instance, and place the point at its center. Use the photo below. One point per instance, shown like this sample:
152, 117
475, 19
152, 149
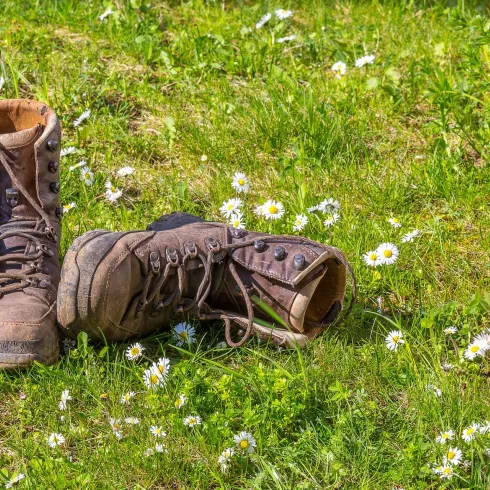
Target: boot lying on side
123, 285
29, 233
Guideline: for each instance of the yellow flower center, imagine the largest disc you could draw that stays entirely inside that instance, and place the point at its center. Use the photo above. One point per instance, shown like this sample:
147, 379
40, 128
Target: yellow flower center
153, 379
451, 454
192, 420
470, 431
475, 348
396, 220
241, 181
447, 471
158, 430
373, 256
387, 253
273, 209
115, 426
113, 189
177, 403
183, 335
236, 223
135, 351
396, 338
230, 207
161, 368
445, 436
87, 176
330, 218
244, 444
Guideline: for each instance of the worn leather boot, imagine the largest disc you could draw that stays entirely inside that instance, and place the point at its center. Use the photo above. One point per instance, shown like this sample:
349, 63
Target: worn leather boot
29, 233
121, 285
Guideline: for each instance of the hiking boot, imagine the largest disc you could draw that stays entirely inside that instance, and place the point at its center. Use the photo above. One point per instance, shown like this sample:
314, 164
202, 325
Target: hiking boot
29, 233
116, 286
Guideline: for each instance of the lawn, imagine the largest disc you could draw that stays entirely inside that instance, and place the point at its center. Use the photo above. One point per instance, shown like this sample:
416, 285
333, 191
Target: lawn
187, 93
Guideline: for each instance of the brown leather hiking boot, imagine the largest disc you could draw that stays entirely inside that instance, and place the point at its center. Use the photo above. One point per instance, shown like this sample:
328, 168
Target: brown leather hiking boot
122, 285
29, 232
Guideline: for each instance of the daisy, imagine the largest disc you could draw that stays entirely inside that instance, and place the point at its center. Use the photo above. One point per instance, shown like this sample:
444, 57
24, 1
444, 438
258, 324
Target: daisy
240, 182
162, 366
106, 14
331, 219
476, 348
395, 222
484, 337
131, 421
453, 456
115, 424
228, 208
14, 480
443, 437
410, 236
204, 158
126, 398
437, 391
272, 210
87, 175
149, 452
134, 351
329, 205
65, 397
181, 401
236, 221
339, 68
152, 378
300, 222
67, 207
470, 432
450, 330
372, 258
55, 439
157, 431
81, 163
184, 333
281, 40
112, 194
388, 253
245, 441
159, 448
83, 116
282, 14
225, 456
192, 420
365, 60
125, 171
67, 151
485, 427
263, 20
446, 472
394, 339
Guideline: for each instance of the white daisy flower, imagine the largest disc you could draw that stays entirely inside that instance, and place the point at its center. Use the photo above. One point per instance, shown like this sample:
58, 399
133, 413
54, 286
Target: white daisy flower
125, 171
69, 206
282, 14
230, 207
450, 330
437, 469
470, 432
285, 39
339, 68
446, 366
192, 420
17, 478
484, 428
134, 351
118, 434
388, 253
55, 439
112, 194
81, 163
484, 337
115, 425
410, 236
181, 401
149, 452
394, 339
152, 378
300, 222
365, 60
184, 333
453, 456
372, 258
240, 182
225, 457
159, 448
106, 14
204, 158
437, 391
476, 348
245, 441
263, 20
131, 421
236, 220
67, 151
157, 431
87, 175
162, 366
445, 436
395, 222
126, 398
331, 219
329, 205
83, 116
65, 397
446, 472
272, 210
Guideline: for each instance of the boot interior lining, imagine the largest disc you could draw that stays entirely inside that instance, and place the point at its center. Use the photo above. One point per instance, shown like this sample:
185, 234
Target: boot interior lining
20, 115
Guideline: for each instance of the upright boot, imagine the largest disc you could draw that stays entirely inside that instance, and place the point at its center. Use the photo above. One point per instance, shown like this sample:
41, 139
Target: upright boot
122, 285
29, 232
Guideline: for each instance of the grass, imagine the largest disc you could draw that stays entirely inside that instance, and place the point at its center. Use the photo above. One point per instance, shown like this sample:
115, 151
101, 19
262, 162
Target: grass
169, 82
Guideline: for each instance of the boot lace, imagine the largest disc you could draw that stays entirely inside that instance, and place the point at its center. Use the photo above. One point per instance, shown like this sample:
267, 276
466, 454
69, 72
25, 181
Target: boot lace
33, 233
